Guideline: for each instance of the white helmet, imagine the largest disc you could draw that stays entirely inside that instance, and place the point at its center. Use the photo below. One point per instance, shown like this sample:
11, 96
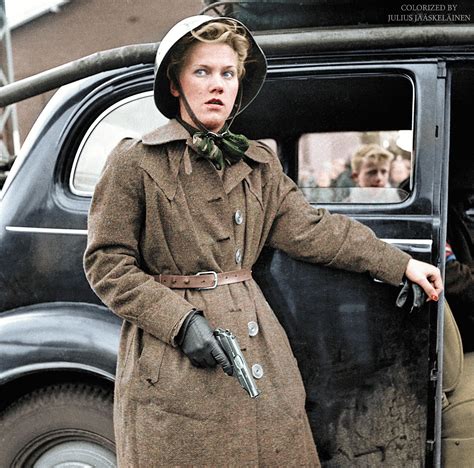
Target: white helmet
255, 69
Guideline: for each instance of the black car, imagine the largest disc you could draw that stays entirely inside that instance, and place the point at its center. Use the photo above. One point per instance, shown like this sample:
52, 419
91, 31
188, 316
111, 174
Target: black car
372, 371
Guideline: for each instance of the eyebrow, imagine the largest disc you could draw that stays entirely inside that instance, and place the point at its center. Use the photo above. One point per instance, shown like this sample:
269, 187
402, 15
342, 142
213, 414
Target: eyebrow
210, 66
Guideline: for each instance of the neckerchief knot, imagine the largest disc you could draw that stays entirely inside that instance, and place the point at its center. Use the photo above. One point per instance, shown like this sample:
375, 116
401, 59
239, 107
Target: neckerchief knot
226, 148
219, 148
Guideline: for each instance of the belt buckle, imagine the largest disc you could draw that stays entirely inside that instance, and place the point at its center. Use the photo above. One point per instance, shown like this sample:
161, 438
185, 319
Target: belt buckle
213, 273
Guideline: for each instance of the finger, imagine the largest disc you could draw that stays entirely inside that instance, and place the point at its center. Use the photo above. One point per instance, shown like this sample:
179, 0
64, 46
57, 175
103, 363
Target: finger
430, 291
195, 362
223, 361
203, 359
437, 282
209, 360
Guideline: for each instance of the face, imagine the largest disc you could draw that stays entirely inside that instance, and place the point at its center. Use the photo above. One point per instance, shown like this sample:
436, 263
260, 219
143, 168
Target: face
210, 83
373, 174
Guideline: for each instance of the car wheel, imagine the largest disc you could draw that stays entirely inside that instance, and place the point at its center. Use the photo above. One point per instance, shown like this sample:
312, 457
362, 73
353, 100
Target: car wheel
60, 425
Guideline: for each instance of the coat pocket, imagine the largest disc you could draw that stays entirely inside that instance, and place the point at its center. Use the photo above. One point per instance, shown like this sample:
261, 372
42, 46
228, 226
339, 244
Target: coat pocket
151, 358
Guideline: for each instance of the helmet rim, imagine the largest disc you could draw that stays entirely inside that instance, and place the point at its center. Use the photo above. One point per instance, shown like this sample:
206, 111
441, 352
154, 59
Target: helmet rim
251, 83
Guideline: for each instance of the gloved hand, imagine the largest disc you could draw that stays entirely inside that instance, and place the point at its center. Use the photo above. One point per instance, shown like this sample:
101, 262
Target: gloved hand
197, 341
411, 294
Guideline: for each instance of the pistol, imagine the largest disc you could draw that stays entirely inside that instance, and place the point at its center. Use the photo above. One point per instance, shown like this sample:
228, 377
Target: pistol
231, 347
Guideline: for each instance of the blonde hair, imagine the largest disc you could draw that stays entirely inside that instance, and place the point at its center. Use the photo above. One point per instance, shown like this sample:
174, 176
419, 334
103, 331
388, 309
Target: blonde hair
371, 152
216, 32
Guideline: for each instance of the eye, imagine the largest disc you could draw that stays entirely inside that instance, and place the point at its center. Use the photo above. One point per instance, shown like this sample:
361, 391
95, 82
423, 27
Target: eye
228, 74
200, 72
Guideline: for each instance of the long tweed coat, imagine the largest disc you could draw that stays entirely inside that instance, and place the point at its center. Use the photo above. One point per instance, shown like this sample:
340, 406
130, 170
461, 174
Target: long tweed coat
159, 208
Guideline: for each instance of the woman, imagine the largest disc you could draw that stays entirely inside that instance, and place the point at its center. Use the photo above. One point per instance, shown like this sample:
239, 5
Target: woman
191, 198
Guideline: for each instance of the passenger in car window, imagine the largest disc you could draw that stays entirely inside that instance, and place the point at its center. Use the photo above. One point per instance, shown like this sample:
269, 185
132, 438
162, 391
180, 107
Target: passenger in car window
177, 221
370, 172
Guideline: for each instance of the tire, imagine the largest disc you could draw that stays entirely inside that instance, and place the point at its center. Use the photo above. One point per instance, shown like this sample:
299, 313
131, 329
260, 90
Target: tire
59, 425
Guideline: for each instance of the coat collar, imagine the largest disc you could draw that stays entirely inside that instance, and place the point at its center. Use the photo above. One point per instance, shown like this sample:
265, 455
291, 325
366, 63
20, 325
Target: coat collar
174, 131
166, 172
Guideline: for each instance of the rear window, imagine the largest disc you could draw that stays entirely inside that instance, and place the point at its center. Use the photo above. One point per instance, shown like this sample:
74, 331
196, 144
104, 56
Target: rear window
132, 117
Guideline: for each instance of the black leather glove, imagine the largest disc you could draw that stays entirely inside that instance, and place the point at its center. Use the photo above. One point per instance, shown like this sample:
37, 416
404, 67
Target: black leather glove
197, 341
412, 295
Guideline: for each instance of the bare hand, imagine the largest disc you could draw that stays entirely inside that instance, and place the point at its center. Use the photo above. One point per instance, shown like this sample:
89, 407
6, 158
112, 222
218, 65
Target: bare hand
427, 276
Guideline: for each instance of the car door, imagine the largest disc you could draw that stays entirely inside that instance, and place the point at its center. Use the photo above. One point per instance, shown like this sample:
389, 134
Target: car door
370, 369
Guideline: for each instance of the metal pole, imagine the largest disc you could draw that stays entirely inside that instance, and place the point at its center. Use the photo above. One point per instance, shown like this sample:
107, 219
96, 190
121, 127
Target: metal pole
9, 133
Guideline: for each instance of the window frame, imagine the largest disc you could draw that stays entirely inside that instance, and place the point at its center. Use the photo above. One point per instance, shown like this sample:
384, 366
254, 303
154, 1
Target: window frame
72, 188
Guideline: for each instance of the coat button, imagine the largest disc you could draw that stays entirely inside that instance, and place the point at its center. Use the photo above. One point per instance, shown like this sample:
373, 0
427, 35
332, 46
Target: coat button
238, 256
238, 217
257, 371
253, 328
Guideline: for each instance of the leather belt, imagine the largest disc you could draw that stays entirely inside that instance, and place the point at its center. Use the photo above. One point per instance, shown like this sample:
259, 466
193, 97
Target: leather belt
203, 279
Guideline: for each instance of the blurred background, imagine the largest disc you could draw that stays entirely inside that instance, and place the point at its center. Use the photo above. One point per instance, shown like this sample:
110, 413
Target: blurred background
47, 33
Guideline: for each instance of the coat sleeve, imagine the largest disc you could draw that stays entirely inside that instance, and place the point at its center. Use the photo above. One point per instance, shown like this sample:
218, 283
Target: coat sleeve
112, 261
316, 236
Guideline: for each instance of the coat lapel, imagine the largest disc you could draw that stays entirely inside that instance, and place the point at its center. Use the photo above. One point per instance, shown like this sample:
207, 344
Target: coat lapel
164, 166
243, 170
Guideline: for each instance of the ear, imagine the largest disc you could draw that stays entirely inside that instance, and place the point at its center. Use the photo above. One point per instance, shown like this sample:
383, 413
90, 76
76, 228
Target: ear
173, 89
355, 176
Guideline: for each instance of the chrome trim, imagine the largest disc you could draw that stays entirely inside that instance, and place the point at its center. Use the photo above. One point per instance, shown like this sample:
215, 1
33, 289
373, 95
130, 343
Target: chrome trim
412, 245
55, 365
409, 241
38, 230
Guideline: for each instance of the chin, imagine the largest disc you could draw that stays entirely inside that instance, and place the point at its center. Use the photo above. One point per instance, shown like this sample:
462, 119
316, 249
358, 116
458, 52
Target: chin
213, 126
213, 122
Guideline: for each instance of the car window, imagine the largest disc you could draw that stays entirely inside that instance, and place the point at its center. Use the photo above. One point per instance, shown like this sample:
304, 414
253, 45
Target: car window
355, 167
131, 117
322, 117
357, 146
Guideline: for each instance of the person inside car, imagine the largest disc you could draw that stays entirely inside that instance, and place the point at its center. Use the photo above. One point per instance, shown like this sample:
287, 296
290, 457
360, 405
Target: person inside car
177, 221
370, 171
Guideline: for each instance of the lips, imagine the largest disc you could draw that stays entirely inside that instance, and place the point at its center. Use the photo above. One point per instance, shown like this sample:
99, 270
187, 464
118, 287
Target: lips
215, 102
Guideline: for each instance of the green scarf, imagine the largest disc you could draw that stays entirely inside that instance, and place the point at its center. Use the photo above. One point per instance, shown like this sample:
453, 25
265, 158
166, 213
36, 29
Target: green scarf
219, 148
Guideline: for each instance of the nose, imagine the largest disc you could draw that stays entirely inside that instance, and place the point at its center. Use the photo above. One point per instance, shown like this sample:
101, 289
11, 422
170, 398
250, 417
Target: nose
380, 178
216, 83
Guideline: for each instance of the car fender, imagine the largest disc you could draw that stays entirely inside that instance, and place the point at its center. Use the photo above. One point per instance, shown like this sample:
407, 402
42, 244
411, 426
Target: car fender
58, 336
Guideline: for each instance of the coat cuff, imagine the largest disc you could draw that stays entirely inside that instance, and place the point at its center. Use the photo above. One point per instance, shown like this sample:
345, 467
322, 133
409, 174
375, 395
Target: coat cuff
392, 264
